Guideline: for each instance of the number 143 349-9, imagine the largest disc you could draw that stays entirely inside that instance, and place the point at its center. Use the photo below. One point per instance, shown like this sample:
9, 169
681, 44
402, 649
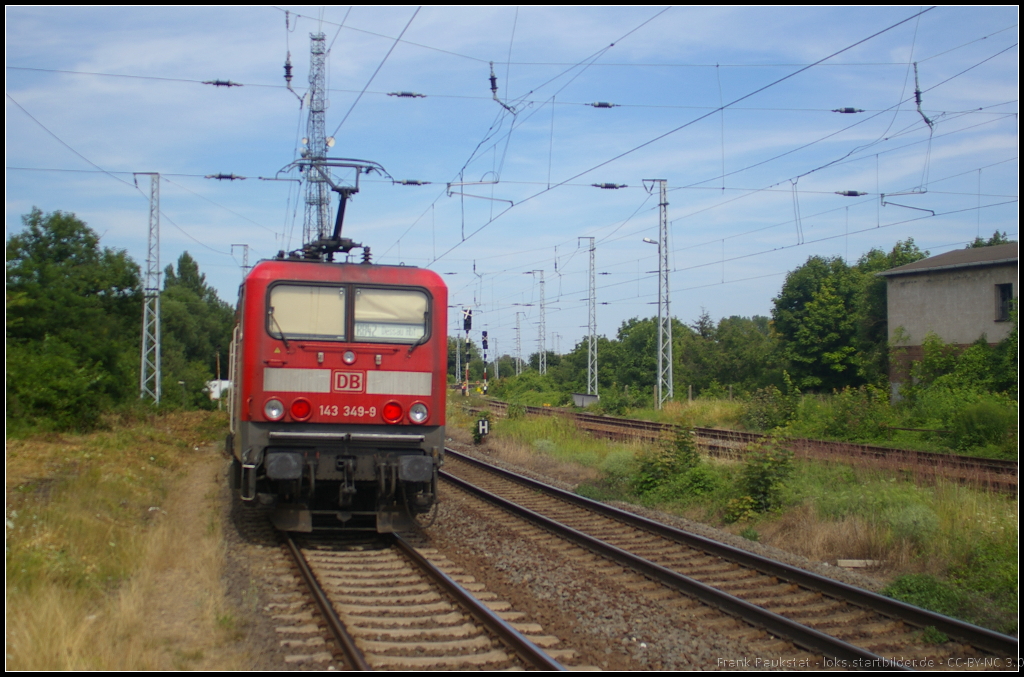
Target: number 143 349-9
335, 410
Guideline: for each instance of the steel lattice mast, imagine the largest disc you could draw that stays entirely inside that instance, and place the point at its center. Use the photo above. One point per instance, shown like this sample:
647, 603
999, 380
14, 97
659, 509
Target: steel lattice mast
665, 391
592, 327
519, 346
149, 373
317, 223
542, 358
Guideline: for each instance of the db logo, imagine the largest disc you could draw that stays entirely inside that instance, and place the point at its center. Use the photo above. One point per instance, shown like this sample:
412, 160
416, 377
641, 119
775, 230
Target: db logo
348, 381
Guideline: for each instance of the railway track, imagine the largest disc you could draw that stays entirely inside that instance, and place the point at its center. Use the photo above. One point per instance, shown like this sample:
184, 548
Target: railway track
393, 606
1000, 475
840, 625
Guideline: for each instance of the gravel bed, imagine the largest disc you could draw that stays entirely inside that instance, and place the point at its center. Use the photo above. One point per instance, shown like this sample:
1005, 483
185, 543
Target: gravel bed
835, 573
611, 620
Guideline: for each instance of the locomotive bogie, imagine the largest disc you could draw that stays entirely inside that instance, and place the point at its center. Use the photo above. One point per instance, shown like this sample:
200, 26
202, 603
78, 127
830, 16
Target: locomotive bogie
339, 414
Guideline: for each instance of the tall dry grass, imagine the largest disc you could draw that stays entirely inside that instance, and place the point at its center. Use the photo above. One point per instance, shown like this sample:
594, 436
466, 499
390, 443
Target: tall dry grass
114, 562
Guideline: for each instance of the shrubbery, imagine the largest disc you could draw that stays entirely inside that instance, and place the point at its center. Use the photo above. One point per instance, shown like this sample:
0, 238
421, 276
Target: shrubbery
74, 321
661, 465
769, 463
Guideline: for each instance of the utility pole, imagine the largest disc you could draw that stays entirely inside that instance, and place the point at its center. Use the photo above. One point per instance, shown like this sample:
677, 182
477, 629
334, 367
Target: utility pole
316, 224
245, 257
665, 391
149, 374
542, 360
458, 358
591, 327
519, 346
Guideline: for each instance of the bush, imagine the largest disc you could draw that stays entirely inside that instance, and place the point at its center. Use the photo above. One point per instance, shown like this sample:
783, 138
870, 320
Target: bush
926, 592
515, 410
619, 401
768, 465
951, 599
660, 466
699, 481
985, 422
740, 509
49, 385
990, 568
768, 408
914, 523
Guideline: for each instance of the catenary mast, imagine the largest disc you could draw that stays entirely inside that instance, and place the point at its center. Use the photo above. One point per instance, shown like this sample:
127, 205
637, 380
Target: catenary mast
317, 223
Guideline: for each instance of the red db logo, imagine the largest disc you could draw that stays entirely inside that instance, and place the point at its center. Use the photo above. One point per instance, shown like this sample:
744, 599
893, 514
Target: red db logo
348, 381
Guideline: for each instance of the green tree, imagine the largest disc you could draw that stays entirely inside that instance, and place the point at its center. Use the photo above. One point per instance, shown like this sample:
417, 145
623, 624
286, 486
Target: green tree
813, 317
997, 238
747, 353
73, 322
873, 313
196, 328
831, 319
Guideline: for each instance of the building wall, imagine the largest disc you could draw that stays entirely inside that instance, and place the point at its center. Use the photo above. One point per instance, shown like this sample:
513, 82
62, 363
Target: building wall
957, 305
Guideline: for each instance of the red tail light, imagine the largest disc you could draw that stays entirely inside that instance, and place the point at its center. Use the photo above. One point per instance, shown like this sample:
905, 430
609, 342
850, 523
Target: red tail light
392, 412
301, 409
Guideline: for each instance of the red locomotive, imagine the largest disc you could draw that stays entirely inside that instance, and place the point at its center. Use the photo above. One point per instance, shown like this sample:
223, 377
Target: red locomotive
338, 381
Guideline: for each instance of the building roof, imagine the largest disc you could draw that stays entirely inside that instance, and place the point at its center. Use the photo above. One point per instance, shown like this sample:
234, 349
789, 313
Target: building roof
975, 257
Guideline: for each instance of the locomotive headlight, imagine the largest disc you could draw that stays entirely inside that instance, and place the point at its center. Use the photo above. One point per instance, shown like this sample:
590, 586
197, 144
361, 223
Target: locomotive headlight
273, 409
349, 357
418, 413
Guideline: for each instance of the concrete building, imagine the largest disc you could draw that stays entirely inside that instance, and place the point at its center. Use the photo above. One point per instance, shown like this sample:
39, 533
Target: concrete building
959, 296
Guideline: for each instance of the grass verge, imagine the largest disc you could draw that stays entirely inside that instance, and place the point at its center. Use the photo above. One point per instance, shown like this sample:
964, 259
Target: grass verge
944, 546
97, 575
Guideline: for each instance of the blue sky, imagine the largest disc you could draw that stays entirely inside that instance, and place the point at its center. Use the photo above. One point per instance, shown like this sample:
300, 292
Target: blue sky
752, 187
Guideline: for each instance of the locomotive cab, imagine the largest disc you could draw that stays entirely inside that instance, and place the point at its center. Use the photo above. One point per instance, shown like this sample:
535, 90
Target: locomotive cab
339, 401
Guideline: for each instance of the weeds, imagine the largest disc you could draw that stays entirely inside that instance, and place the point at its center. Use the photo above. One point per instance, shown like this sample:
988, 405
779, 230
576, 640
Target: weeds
960, 543
87, 534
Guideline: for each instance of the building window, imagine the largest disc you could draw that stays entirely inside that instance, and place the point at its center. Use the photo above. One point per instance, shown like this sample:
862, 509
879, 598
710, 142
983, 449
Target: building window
1004, 295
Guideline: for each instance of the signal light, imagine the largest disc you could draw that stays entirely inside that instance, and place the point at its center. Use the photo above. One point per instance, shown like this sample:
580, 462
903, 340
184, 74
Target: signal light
301, 409
392, 412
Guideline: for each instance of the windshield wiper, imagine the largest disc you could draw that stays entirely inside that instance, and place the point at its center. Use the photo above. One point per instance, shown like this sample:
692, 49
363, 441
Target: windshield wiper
279, 329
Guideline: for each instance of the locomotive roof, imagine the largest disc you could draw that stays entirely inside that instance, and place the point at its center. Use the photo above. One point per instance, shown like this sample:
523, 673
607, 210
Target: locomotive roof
304, 269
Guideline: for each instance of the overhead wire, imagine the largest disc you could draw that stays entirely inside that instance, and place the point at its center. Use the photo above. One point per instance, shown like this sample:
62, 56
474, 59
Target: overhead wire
531, 102
868, 145
111, 175
501, 115
687, 124
379, 66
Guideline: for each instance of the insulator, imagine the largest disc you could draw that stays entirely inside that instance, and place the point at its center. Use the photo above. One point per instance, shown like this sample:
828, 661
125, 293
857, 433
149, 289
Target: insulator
847, 110
603, 104
609, 186
366, 255
288, 70
850, 193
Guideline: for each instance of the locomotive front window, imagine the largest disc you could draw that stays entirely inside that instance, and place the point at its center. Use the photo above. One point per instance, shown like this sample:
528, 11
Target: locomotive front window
307, 312
390, 315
